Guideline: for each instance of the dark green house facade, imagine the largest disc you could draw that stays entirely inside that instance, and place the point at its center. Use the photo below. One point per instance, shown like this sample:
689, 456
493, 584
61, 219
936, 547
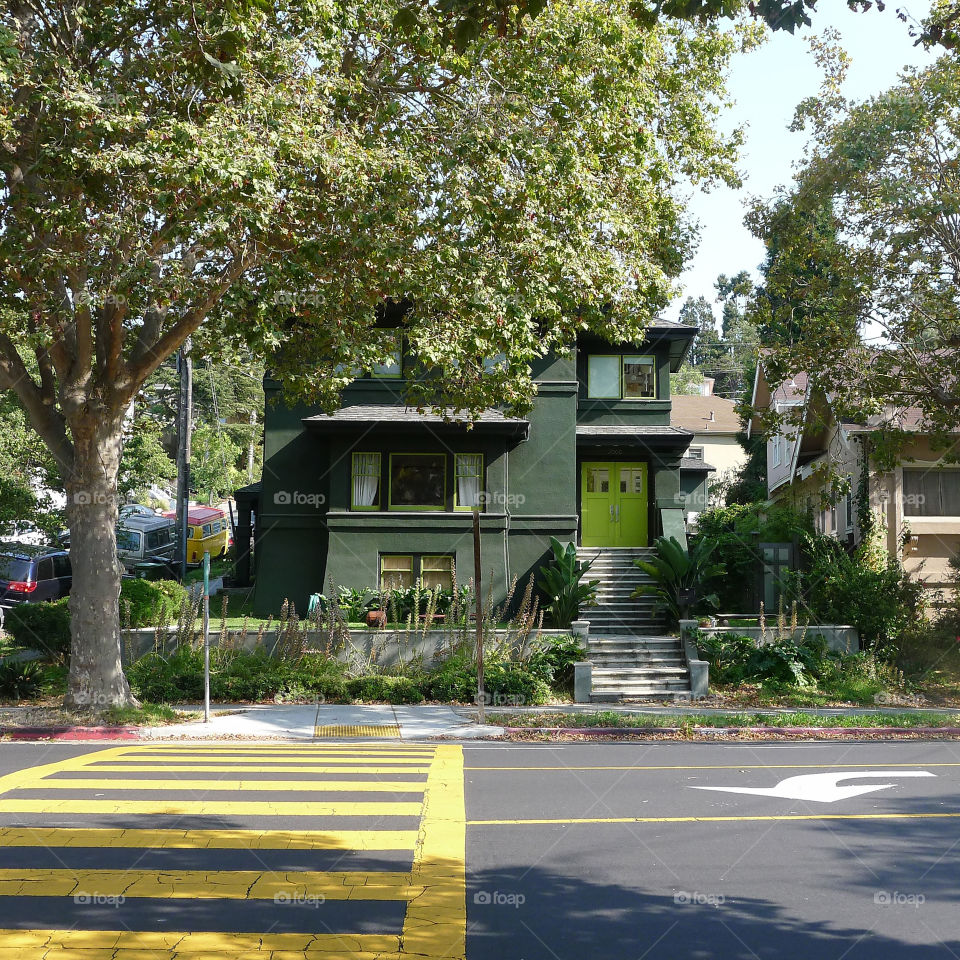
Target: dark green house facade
379, 494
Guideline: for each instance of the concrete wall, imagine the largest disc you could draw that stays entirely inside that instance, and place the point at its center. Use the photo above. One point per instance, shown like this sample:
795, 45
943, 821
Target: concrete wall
385, 648
841, 638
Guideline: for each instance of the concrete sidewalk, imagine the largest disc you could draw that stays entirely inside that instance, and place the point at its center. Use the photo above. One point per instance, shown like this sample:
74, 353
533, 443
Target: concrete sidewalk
305, 722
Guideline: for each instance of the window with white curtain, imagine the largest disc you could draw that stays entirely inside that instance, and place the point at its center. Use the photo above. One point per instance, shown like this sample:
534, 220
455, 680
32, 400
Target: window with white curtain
366, 481
469, 471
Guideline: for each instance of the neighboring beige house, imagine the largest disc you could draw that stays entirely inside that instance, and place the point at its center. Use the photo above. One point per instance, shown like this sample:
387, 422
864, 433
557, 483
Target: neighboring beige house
917, 503
715, 426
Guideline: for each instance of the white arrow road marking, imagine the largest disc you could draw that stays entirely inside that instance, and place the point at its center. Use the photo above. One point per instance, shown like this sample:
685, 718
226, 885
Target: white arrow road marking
823, 787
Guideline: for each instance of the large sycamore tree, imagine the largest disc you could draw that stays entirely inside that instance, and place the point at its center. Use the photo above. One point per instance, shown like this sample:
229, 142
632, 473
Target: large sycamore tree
266, 175
862, 281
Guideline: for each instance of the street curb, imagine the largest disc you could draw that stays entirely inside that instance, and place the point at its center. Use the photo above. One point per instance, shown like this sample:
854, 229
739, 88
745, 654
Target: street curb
70, 733
724, 731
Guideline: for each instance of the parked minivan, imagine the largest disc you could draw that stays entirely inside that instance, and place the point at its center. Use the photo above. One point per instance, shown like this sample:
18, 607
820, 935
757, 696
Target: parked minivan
208, 532
30, 573
145, 538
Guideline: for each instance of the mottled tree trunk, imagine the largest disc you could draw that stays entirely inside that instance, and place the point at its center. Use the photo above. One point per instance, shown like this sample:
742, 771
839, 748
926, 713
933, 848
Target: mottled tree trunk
96, 675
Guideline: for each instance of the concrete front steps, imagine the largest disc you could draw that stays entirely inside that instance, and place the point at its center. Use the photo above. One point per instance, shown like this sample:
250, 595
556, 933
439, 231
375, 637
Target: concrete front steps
627, 667
617, 611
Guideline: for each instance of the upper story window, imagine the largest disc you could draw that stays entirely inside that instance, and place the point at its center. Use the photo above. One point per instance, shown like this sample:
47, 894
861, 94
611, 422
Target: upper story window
418, 481
468, 468
695, 453
777, 449
621, 377
366, 481
931, 493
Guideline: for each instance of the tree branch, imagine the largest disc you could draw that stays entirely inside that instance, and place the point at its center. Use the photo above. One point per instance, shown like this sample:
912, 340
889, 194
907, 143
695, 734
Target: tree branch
44, 418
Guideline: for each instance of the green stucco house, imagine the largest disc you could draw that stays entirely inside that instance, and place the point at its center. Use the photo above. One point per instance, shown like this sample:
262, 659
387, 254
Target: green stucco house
378, 493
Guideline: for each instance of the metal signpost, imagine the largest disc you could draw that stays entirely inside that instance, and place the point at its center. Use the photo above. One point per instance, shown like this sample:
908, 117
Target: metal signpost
206, 636
481, 692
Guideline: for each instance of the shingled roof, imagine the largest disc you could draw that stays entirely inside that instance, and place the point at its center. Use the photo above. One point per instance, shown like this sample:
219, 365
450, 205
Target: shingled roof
694, 413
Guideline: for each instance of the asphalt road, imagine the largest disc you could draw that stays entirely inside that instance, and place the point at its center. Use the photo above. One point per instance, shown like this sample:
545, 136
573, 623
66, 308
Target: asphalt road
837, 851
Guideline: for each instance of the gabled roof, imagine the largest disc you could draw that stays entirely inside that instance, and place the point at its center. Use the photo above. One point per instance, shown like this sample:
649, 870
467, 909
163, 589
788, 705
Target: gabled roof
693, 412
789, 393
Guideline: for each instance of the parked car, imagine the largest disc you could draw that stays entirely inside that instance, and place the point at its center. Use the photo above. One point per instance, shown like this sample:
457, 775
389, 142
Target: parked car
141, 538
208, 532
30, 573
136, 510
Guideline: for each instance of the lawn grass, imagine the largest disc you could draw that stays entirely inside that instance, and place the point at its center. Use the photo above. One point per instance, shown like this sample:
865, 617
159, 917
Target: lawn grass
148, 715
611, 718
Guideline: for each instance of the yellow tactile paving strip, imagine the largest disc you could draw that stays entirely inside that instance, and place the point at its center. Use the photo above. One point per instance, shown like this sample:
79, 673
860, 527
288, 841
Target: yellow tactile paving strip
343, 730
432, 893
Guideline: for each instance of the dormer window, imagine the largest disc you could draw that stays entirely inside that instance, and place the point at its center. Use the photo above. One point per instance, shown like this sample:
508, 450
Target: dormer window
621, 377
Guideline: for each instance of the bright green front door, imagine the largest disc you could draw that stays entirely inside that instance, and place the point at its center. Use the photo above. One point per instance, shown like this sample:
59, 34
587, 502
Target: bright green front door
613, 505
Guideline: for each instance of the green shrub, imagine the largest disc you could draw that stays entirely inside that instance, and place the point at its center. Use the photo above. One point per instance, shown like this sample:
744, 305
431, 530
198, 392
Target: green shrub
506, 682
235, 675
20, 679
41, 626
881, 601
150, 601
560, 654
560, 583
682, 579
239, 676
784, 662
384, 688
736, 531
514, 683
453, 679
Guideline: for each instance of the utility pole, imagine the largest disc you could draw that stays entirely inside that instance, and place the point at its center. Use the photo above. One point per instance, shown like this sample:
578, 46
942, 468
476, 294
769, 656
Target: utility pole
250, 445
184, 429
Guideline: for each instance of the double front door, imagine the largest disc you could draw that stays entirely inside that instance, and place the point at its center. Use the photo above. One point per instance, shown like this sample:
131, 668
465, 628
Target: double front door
613, 505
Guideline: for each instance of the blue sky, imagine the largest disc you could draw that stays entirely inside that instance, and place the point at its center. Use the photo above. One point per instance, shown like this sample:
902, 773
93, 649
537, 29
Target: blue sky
766, 84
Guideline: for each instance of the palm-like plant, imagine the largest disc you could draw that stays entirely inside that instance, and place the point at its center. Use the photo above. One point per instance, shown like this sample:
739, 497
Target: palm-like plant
681, 578
560, 582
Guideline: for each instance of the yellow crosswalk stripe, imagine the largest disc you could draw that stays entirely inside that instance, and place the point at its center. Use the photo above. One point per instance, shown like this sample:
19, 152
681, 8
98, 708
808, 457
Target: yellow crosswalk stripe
209, 884
435, 924
170, 944
208, 839
242, 768
215, 808
309, 749
176, 783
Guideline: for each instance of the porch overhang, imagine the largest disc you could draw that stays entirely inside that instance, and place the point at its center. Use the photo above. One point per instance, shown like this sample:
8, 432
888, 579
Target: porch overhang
661, 438
366, 416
